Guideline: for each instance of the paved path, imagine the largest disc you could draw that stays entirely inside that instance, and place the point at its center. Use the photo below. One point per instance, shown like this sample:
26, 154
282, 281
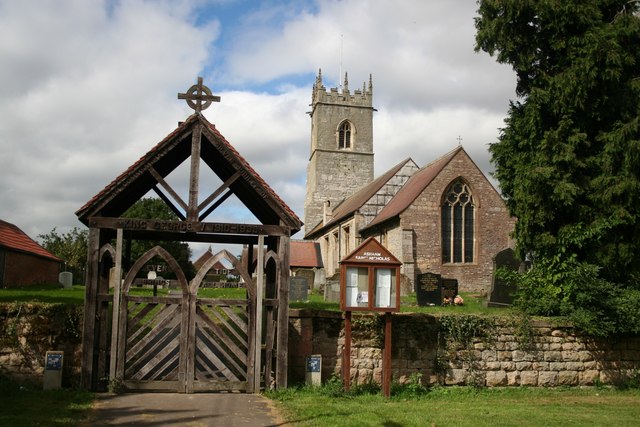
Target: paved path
176, 409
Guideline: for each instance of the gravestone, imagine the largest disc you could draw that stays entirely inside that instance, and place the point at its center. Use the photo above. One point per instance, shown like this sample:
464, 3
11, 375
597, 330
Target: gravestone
502, 292
298, 288
332, 291
66, 279
449, 288
429, 289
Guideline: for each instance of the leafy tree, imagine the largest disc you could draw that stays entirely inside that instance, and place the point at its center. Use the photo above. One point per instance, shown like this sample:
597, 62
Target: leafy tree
568, 160
152, 208
71, 246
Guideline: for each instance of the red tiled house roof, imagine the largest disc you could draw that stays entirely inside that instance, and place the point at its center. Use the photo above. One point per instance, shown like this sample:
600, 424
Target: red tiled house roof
305, 254
13, 238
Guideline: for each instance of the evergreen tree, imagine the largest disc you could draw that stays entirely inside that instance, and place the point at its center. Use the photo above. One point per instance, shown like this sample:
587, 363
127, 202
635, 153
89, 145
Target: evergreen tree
568, 160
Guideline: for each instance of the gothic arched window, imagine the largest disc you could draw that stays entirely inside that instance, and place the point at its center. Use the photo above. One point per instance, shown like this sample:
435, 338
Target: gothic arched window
344, 135
458, 223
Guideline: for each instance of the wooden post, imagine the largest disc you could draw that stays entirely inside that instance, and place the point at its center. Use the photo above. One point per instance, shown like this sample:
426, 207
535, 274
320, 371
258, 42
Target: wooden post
116, 279
386, 356
90, 305
282, 346
194, 174
258, 326
346, 355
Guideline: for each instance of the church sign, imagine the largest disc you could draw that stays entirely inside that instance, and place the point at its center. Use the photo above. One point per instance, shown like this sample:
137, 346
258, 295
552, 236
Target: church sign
369, 279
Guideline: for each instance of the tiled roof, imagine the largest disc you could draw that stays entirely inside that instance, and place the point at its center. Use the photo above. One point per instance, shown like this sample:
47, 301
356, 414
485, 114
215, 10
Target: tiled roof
13, 238
412, 189
305, 254
359, 198
202, 259
125, 178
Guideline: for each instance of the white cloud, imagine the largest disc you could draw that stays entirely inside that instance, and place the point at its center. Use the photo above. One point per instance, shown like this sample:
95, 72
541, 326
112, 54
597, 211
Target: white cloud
88, 87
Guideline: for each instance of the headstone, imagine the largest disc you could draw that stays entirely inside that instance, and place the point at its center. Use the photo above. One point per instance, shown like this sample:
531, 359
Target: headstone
502, 292
313, 371
449, 289
332, 291
298, 288
52, 379
66, 279
429, 289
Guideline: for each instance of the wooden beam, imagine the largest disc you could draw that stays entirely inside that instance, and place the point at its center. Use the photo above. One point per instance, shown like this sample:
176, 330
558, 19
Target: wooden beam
90, 304
116, 282
215, 205
219, 191
194, 174
282, 346
257, 361
168, 188
168, 203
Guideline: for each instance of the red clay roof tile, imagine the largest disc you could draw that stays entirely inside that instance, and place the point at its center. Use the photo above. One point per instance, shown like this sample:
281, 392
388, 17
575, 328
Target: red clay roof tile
13, 238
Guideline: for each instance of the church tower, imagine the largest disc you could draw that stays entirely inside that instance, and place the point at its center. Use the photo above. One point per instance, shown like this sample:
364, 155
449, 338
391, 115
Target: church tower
341, 158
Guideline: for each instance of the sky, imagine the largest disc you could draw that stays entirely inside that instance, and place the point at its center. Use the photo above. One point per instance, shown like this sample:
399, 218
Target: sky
89, 86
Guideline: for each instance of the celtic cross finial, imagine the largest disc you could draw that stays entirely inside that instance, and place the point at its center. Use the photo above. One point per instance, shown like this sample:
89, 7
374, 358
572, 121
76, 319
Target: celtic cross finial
199, 97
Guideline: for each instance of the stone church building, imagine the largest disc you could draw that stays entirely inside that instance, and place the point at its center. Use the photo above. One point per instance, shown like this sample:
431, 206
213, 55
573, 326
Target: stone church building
444, 217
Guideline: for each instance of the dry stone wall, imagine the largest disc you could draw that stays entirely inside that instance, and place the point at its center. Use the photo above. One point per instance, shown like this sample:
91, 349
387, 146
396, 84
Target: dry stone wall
509, 354
28, 331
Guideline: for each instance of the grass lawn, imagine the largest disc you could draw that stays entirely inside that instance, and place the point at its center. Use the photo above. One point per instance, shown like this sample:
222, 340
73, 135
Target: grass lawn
53, 293
28, 405
455, 406
49, 293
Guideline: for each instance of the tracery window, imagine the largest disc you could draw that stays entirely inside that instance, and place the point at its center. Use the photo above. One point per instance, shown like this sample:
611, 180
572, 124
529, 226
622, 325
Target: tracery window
344, 135
458, 221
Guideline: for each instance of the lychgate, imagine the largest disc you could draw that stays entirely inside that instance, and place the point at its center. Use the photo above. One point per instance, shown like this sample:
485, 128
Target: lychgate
181, 340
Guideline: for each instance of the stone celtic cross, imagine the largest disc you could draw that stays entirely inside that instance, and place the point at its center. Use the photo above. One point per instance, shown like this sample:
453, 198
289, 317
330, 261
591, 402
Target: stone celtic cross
199, 97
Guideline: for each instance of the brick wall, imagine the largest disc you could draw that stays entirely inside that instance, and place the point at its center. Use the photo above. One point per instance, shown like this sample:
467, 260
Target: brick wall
553, 355
26, 269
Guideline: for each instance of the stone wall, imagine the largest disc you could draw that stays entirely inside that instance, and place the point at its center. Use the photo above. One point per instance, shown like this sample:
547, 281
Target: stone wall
492, 229
28, 331
511, 354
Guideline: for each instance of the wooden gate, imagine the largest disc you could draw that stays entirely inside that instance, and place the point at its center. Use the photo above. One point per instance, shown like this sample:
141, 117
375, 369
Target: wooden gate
180, 342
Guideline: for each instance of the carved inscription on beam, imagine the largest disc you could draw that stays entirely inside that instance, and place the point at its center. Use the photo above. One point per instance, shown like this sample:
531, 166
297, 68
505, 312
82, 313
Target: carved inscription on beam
137, 224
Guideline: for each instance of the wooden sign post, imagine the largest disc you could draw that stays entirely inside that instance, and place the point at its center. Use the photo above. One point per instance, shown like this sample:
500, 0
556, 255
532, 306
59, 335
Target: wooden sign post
369, 281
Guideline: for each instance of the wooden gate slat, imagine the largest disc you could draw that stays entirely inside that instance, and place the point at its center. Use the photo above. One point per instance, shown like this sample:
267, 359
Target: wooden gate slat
150, 359
167, 322
229, 326
162, 318
140, 314
240, 357
239, 352
219, 364
171, 375
163, 343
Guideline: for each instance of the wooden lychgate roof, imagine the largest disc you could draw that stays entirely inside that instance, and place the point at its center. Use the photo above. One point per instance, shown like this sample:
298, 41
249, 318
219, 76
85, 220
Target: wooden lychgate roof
196, 138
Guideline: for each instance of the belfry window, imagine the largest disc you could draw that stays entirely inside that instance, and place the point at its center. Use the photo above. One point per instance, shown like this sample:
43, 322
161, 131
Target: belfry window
458, 222
344, 135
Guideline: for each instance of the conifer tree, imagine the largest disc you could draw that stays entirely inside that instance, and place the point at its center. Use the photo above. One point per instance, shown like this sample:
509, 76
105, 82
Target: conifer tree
568, 159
